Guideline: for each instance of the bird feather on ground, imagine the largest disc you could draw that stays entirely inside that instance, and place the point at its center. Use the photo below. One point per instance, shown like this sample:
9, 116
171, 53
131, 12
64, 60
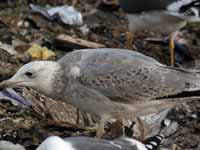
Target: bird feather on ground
106, 82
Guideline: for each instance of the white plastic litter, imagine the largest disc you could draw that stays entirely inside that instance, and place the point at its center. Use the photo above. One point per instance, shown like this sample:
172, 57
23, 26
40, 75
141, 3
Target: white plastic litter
67, 14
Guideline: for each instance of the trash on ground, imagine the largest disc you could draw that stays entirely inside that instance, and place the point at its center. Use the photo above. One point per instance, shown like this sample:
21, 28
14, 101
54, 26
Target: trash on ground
67, 14
69, 42
153, 121
40, 53
8, 48
14, 97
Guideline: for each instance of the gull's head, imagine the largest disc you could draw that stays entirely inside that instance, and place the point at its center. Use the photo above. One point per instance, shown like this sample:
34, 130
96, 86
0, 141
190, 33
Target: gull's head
55, 143
39, 75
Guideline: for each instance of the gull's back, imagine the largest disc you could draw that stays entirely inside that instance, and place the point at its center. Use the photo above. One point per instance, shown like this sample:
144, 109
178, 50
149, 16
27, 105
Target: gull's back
127, 76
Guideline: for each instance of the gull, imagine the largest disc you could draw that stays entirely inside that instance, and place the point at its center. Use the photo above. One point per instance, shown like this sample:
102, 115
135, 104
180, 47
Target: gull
168, 128
161, 16
107, 82
88, 143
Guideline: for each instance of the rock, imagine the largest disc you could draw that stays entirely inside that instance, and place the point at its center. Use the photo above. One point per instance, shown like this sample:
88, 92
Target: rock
8, 48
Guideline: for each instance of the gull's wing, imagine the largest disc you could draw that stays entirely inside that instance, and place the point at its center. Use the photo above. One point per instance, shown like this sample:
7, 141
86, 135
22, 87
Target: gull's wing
128, 76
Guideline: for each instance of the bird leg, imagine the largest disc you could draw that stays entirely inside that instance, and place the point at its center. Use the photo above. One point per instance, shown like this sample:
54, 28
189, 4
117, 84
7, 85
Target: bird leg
100, 126
129, 40
100, 129
118, 127
142, 128
172, 46
77, 117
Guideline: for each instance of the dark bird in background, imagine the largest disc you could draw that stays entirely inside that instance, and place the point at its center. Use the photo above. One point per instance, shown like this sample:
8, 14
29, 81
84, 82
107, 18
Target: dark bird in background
162, 16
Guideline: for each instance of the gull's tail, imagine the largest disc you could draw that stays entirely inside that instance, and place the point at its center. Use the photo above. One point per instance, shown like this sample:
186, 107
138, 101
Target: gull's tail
181, 80
153, 106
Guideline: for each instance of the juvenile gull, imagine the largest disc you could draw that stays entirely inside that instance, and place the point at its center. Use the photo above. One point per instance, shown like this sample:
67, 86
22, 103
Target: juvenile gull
163, 16
107, 82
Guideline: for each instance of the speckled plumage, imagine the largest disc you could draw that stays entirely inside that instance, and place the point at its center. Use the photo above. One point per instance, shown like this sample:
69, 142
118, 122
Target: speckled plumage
109, 79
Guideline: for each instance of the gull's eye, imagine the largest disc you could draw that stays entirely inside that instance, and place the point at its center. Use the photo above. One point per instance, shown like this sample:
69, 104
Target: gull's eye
29, 74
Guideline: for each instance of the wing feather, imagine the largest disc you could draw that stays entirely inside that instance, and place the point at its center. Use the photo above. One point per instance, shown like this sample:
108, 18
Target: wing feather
127, 76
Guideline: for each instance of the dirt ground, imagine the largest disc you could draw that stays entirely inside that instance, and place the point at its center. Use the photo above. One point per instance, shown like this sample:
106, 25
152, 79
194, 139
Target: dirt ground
26, 125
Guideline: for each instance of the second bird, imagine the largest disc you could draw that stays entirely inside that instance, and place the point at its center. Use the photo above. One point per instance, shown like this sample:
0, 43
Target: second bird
161, 16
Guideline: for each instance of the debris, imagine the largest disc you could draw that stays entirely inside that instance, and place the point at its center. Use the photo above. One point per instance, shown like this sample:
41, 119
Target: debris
67, 14
40, 53
153, 121
14, 97
108, 4
167, 122
23, 24
8, 48
67, 41
55, 110
84, 29
20, 46
170, 128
